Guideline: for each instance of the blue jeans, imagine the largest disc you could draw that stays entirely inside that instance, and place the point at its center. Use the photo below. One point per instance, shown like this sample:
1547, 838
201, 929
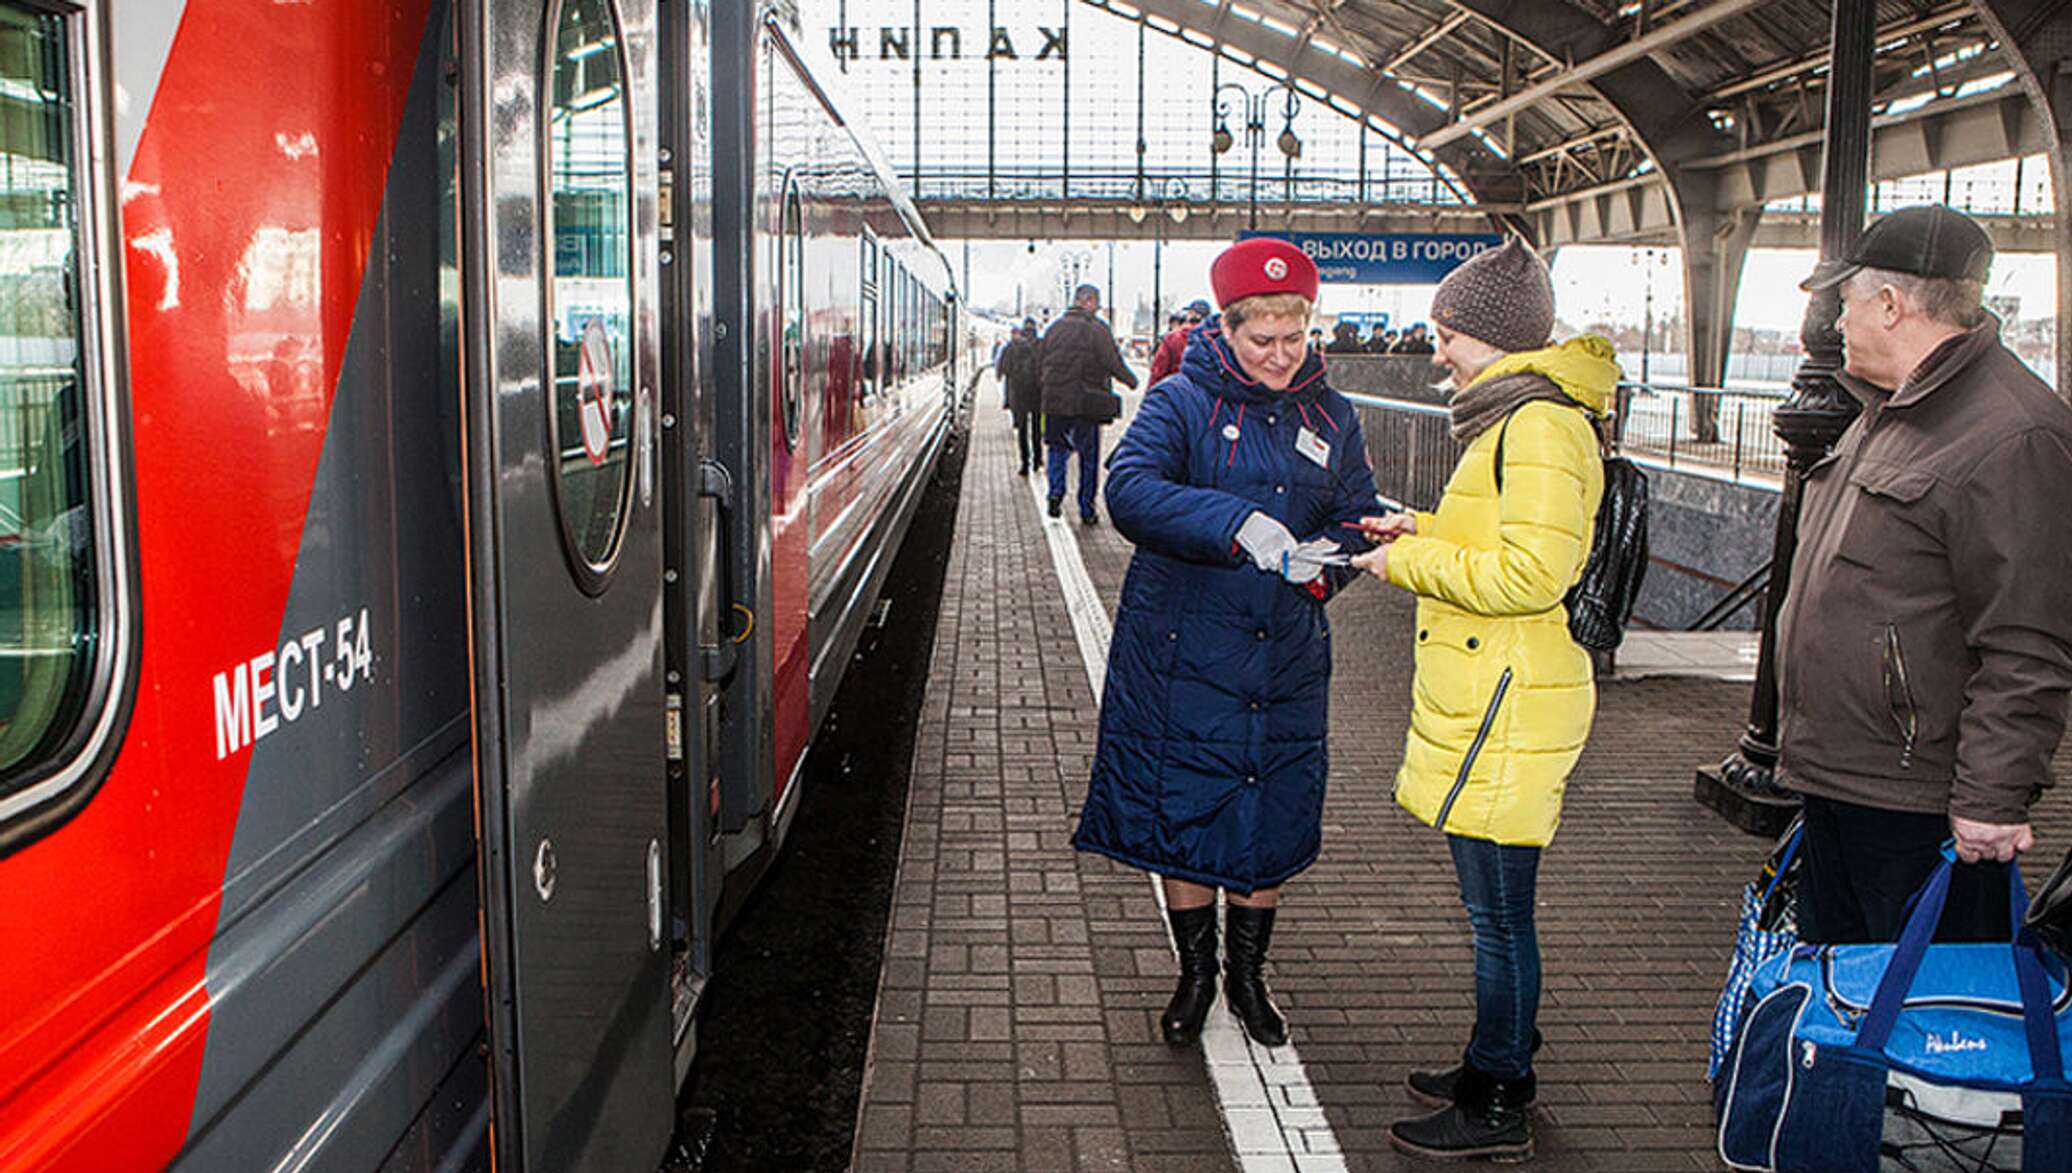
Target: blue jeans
1496, 885
1068, 435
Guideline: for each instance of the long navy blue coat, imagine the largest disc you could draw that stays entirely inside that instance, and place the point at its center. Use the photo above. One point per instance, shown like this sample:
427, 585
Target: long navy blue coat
1211, 760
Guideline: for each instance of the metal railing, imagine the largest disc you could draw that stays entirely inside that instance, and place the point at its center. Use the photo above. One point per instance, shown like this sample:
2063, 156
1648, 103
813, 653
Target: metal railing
26, 394
1411, 446
1718, 432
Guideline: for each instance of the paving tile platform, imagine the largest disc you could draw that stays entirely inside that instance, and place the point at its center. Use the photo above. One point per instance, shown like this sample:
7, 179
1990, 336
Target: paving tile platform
1016, 1026
1716, 655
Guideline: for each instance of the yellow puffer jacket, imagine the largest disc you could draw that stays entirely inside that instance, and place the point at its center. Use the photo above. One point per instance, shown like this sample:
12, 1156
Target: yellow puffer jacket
1503, 698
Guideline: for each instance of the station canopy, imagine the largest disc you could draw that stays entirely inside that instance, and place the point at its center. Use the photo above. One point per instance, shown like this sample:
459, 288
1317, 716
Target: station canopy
1573, 120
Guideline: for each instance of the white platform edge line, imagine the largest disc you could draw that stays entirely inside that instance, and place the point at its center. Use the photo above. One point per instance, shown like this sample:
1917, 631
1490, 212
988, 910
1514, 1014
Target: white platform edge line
1248, 1078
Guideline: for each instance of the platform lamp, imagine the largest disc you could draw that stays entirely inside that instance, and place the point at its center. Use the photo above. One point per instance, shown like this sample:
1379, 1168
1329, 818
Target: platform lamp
1744, 788
1254, 106
1173, 202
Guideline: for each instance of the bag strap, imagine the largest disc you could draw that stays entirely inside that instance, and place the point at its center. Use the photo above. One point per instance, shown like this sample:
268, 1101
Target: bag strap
1597, 428
1500, 430
1791, 848
2038, 1023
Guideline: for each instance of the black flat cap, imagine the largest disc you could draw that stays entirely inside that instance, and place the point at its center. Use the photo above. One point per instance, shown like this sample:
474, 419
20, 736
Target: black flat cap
1927, 241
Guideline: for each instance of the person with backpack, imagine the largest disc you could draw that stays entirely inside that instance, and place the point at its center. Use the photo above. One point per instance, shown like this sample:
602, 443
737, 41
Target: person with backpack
1504, 693
1024, 383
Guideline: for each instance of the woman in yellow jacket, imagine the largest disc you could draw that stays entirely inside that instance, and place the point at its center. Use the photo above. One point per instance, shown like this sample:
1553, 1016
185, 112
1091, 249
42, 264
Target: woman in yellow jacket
1503, 697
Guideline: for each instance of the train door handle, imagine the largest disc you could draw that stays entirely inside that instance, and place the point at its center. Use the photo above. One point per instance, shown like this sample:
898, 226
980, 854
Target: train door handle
714, 481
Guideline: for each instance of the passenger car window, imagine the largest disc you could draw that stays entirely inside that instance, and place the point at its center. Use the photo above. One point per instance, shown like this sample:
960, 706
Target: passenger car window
65, 636
590, 283
867, 314
791, 295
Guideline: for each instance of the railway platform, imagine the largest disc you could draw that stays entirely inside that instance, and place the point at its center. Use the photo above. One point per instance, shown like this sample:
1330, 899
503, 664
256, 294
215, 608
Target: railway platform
1016, 1022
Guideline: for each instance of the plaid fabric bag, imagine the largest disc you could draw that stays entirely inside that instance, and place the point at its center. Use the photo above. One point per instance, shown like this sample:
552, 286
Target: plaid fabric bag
1768, 926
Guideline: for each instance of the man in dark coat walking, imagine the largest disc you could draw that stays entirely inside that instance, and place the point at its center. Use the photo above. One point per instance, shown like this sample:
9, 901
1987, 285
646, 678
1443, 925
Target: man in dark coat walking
1077, 355
1017, 369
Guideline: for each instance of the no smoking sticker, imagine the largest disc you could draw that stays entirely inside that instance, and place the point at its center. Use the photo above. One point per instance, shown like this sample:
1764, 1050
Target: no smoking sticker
594, 391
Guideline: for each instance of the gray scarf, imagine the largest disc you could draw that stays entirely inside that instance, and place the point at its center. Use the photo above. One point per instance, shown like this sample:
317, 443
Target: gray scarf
1484, 405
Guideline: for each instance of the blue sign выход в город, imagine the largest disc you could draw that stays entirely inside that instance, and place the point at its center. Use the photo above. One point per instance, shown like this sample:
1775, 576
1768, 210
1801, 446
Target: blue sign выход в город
1387, 258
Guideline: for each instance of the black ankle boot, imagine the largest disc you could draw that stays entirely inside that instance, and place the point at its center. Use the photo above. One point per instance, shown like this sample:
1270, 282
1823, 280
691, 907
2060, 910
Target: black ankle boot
1194, 931
1438, 1087
1249, 931
1490, 1118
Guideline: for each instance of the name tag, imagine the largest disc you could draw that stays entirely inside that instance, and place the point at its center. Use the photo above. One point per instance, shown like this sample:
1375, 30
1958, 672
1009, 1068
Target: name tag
1313, 446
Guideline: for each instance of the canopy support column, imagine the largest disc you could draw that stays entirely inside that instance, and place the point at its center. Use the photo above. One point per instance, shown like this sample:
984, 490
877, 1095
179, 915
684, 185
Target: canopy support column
2040, 33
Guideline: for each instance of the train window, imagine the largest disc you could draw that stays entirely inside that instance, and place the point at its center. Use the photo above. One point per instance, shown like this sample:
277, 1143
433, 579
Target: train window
64, 587
589, 171
868, 314
791, 300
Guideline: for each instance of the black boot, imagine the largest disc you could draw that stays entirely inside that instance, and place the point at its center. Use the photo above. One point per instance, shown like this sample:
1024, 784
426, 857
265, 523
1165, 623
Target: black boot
1490, 1119
1437, 1087
1057, 506
1249, 931
1194, 931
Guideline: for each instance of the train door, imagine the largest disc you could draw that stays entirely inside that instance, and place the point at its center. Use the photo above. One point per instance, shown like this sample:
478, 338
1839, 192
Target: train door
559, 294
704, 628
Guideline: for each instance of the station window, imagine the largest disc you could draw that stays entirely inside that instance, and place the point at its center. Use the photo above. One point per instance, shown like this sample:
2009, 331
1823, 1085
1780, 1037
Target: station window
590, 283
791, 297
63, 578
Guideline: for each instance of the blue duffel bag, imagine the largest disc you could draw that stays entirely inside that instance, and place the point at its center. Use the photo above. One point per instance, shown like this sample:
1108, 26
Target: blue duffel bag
1910, 1055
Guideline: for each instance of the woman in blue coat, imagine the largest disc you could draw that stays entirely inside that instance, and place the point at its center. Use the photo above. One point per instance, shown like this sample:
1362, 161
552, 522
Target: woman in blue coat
1239, 483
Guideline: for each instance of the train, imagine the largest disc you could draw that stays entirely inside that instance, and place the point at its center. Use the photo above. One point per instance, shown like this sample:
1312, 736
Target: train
448, 452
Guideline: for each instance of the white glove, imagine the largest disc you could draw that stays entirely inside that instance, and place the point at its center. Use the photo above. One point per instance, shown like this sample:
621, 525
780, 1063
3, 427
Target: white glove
1307, 560
1267, 541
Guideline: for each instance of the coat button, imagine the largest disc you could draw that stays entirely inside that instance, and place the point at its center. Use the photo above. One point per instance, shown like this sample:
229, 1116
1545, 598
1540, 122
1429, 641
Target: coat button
1280, 488
1255, 706
1423, 636
1251, 779
1273, 419
1172, 635
1473, 643
1260, 634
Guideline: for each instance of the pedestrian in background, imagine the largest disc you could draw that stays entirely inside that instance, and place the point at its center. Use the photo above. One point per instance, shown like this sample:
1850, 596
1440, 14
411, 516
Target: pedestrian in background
1237, 482
1077, 356
1345, 339
1167, 360
1017, 369
1925, 642
1414, 341
1504, 695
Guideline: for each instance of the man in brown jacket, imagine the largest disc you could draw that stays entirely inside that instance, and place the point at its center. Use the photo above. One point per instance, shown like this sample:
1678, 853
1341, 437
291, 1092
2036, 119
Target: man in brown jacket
1925, 646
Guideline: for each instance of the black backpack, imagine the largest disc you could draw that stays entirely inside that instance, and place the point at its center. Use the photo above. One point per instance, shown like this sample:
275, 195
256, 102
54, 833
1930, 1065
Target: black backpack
1602, 600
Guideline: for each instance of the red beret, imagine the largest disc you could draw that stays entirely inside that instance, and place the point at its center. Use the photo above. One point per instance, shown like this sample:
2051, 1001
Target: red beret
1262, 265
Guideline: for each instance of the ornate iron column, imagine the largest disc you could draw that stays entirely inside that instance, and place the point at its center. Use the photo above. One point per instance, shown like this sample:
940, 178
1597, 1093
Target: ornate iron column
1743, 788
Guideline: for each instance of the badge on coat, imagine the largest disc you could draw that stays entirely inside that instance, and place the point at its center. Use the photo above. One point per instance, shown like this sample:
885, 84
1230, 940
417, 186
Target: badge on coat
1313, 446
1230, 432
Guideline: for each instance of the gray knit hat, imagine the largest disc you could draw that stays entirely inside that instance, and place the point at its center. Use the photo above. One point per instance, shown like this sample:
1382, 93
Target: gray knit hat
1502, 296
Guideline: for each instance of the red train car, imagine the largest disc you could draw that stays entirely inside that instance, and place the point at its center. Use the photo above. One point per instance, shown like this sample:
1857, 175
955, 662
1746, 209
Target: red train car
447, 450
